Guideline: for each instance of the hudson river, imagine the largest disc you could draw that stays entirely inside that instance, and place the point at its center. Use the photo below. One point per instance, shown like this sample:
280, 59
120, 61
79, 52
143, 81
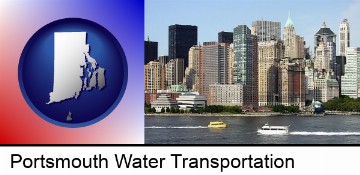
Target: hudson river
330, 129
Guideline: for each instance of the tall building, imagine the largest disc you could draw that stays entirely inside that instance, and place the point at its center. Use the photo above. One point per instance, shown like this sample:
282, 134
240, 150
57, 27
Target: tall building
225, 37
326, 54
254, 93
243, 61
270, 53
213, 65
294, 44
174, 72
163, 60
191, 78
350, 82
292, 82
231, 65
181, 39
151, 51
344, 37
266, 30
152, 77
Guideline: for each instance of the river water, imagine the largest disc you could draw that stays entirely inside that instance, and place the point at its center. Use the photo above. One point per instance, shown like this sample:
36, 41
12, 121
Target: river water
330, 129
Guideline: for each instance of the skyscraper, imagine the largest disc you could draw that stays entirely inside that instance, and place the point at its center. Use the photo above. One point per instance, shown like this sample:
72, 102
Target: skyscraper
152, 76
266, 30
243, 61
181, 39
270, 53
325, 49
242, 55
151, 51
294, 44
174, 72
350, 82
344, 37
225, 37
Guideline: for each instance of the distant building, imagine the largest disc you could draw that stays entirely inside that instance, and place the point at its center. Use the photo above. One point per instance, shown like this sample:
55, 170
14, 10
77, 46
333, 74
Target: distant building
152, 77
213, 65
163, 102
192, 71
178, 88
225, 37
151, 51
266, 30
174, 72
325, 88
243, 68
181, 39
309, 83
325, 49
292, 82
344, 37
190, 100
294, 44
226, 94
350, 82
270, 53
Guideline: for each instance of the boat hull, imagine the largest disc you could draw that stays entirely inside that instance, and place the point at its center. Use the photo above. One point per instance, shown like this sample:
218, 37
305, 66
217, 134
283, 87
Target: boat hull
273, 132
217, 126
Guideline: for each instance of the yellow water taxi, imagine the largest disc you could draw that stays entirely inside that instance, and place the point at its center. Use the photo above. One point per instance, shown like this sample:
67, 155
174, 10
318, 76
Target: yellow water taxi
217, 124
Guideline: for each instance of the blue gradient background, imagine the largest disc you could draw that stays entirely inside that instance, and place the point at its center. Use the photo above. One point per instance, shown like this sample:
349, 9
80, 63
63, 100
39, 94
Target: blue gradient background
20, 20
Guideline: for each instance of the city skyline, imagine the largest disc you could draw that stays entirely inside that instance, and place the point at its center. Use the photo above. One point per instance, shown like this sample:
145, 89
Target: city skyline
160, 14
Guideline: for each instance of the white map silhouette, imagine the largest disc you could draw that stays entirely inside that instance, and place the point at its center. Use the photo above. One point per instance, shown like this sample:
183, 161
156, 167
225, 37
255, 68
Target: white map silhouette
74, 69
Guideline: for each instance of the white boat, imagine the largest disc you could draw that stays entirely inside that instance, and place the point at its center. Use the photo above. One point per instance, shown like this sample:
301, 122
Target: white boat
267, 129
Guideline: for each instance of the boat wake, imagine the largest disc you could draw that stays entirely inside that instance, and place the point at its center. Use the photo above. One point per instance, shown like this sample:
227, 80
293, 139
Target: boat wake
326, 133
174, 127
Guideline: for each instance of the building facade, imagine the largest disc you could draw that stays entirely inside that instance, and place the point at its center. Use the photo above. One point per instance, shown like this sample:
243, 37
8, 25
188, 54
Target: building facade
266, 30
162, 102
294, 44
152, 77
325, 88
225, 37
174, 72
190, 100
192, 71
350, 81
344, 37
181, 39
151, 51
270, 53
226, 94
325, 49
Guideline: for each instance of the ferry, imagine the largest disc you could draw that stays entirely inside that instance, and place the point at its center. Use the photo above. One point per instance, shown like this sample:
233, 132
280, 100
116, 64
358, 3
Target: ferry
266, 129
217, 124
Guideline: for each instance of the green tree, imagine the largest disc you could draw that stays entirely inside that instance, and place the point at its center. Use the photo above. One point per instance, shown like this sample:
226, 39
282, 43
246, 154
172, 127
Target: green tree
167, 109
162, 110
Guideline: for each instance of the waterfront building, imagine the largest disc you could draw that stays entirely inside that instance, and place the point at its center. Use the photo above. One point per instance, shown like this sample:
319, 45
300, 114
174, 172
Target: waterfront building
292, 82
213, 65
243, 65
325, 88
151, 51
162, 102
181, 39
325, 50
266, 30
152, 76
226, 94
191, 100
225, 37
231, 65
269, 54
178, 88
350, 81
344, 37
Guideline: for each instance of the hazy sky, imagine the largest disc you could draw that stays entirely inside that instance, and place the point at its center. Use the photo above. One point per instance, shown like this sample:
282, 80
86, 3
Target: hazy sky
213, 16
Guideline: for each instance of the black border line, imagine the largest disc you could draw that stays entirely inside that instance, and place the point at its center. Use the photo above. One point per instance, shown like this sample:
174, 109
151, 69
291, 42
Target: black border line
179, 145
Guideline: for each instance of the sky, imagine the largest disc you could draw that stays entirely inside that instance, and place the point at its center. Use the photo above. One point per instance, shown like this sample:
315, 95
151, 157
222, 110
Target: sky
213, 16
